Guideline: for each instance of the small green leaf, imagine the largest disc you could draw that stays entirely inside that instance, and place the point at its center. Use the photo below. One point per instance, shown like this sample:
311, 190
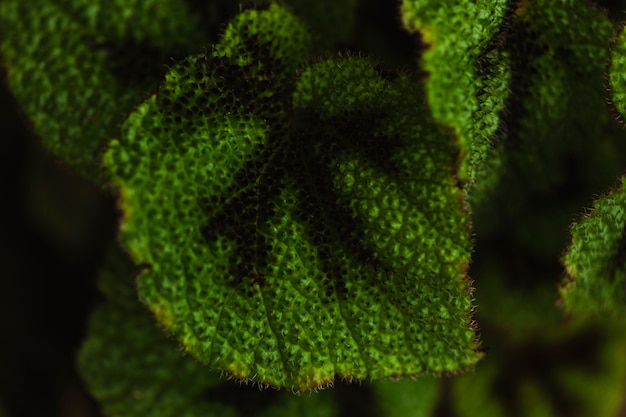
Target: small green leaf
296, 229
331, 22
596, 259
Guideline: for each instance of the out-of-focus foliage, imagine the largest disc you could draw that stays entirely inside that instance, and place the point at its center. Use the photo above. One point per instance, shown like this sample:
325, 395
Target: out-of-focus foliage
79, 67
467, 82
577, 370
408, 398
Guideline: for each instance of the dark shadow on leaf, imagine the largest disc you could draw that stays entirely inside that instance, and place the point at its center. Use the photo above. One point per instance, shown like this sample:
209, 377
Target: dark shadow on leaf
302, 160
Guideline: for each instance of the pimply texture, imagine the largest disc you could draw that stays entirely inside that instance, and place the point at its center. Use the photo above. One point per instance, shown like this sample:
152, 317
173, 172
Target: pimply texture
134, 369
468, 76
596, 259
129, 363
161, 24
296, 228
77, 68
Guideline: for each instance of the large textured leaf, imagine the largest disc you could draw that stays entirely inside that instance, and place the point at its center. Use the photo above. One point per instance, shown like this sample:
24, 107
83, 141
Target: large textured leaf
296, 229
520, 82
596, 259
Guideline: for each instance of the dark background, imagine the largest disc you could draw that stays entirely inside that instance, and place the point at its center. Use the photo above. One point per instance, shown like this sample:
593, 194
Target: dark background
53, 232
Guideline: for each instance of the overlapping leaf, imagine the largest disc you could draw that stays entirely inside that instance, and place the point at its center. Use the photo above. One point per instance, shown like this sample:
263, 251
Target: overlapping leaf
468, 75
520, 82
596, 259
296, 229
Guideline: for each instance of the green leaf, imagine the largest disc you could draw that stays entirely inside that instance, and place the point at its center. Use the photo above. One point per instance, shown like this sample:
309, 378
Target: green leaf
467, 85
519, 82
617, 72
596, 259
78, 67
296, 229
134, 369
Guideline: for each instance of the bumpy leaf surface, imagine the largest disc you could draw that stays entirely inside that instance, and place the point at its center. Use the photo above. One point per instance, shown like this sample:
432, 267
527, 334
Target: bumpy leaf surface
134, 369
467, 83
79, 67
519, 82
296, 229
596, 259
131, 366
